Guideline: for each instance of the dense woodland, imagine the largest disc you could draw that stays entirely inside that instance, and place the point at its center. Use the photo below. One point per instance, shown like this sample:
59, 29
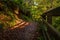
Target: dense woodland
12, 11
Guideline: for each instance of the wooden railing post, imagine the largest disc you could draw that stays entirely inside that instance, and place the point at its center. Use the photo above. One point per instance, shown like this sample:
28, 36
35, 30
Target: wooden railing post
52, 31
49, 18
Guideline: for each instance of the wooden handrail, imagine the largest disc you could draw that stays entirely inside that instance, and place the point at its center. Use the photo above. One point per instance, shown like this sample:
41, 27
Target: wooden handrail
51, 30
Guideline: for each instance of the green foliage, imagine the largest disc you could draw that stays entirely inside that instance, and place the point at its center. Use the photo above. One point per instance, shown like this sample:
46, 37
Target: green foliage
56, 23
35, 7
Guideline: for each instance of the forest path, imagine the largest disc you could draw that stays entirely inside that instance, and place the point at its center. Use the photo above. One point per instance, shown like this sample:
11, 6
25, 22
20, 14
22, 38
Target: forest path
22, 31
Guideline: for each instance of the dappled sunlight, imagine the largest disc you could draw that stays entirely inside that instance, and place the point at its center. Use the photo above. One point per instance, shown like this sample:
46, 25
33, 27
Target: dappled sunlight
20, 24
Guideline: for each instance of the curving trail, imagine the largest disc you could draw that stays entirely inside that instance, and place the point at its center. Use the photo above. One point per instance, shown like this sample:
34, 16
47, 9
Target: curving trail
22, 31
